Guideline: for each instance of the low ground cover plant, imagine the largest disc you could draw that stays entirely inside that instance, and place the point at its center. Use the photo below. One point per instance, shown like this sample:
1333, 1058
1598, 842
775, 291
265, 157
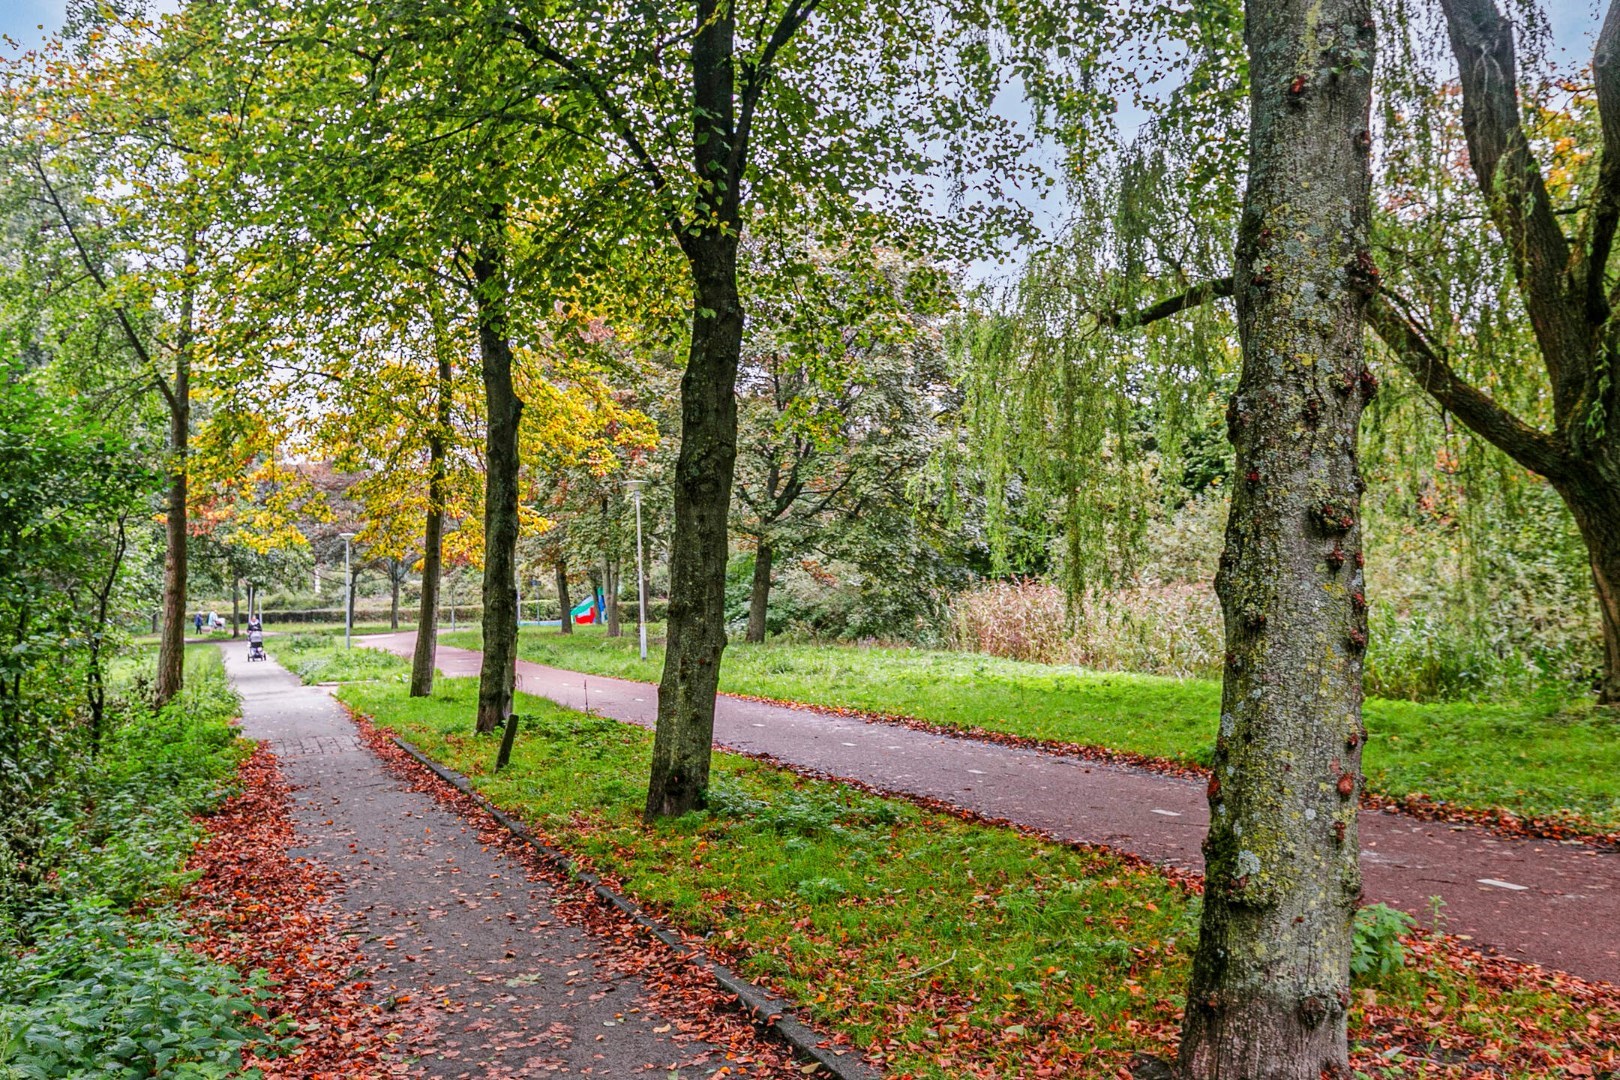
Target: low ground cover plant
946, 948
95, 975
1545, 758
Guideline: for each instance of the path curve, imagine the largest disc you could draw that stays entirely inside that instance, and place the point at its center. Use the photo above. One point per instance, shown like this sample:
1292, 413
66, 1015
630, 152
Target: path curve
1549, 902
516, 991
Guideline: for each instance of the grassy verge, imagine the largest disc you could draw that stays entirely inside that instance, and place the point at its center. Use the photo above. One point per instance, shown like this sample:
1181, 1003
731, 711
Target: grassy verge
1539, 760
318, 657
95, 975
945, 948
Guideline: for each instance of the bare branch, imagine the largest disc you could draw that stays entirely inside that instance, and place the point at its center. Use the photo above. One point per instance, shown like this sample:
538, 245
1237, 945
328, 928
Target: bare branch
1510, 178
1534, 449
1198, 295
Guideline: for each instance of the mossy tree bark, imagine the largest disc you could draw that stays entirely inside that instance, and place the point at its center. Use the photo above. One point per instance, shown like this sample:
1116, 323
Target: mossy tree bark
427, 618
504, 412
759, 597
563, 604
1270, 982
171, 663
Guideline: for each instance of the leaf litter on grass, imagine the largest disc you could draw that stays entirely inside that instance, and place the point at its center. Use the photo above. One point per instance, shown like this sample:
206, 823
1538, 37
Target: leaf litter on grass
946, 947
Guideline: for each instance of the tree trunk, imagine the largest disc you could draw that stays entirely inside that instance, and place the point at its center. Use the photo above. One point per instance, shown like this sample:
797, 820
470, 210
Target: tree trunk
684, 738
500, 482
427, 619
697, 566
562, 596
1270, 981
236, 606
94, 678
610, 575
1596, 508
759, 598
171, 663
394, 569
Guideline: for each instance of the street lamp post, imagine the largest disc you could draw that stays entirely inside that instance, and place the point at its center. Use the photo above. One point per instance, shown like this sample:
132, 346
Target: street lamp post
348, 594
635, 487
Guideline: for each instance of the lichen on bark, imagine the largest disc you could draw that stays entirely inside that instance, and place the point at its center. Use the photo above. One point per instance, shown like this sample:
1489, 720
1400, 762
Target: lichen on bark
1270, 981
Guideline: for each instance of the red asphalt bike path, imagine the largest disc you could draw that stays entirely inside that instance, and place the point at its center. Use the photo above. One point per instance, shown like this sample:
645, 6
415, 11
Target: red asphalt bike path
1554, 903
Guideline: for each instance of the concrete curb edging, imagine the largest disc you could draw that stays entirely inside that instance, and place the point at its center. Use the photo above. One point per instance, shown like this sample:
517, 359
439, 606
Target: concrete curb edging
765, 1010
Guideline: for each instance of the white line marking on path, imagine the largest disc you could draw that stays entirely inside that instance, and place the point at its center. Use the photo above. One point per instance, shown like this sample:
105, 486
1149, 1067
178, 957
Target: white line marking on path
976, 772
1167, 813
1502, 884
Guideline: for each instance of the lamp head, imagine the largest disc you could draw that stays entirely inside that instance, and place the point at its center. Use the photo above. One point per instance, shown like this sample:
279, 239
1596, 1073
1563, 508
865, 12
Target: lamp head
348, 536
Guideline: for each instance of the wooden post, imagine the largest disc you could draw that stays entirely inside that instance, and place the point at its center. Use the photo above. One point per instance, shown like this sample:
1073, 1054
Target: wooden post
507, 738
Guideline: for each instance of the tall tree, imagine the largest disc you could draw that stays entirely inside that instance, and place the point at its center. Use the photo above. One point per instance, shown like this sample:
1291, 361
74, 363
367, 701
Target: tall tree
140, 109
1565, 424
1270, 984
1508, 331
841, 386
765, 109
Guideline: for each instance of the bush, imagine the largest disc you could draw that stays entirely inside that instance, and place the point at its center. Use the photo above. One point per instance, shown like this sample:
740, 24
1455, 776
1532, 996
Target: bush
122, 995
1448, 621
95, 976
1376, 948
1170, 629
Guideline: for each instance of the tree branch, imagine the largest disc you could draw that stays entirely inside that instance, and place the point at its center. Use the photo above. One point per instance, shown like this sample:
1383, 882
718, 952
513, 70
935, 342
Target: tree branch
94, 271
758, 73
1606, 76
584, 80
1198, 295
1510, 178
1534, 449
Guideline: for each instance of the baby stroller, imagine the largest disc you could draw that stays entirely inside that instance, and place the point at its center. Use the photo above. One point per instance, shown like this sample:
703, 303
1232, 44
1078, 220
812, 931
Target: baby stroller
256, 644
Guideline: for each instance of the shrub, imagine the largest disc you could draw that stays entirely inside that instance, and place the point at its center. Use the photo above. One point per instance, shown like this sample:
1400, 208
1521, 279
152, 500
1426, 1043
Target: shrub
124, 995
1376, 948
1450, 618
1169, 629
95, 976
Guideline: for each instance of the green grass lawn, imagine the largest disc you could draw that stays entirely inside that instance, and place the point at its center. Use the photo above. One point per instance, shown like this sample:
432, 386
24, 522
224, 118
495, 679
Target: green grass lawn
1542, 759
942, 946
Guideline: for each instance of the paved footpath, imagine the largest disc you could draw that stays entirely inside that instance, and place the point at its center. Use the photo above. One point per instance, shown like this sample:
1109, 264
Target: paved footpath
447, 919
1551, 903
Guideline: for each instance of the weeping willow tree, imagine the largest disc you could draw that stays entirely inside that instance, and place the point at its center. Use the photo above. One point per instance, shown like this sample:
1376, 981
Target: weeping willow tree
1496, 199
1080, 406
